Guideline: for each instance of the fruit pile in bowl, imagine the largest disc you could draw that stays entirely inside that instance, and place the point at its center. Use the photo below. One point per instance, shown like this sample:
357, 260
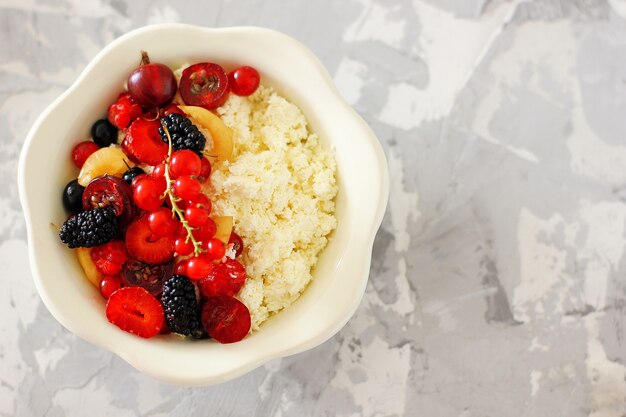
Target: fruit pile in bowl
336, 277
139, 221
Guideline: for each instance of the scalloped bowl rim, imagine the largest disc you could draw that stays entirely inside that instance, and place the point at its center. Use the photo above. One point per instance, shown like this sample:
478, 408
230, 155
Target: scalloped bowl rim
226, 361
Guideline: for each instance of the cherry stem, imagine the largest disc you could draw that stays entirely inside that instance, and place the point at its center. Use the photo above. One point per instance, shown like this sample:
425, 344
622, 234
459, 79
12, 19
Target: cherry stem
197, 248
145, 59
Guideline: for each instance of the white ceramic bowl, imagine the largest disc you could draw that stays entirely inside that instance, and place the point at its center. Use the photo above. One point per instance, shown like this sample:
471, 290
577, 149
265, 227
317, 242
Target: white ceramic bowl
341, 274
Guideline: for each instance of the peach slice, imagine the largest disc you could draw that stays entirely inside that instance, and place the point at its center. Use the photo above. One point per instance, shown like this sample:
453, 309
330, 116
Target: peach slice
221, 135
224, 228
91, 272
108, 161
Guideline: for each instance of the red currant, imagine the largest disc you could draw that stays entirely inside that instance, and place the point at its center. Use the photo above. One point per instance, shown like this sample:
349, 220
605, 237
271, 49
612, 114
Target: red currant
202, 201
206, 231
244, 80
110, 284
81, 152
185, 162
147, 192
215, 249
181, 268
183, 246
187, 187
205, 170
159, 171
162, 223
199, 267
237, 242
195, 216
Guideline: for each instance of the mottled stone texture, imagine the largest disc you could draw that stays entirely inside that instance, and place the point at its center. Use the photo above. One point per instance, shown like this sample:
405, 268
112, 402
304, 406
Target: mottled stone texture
499, 292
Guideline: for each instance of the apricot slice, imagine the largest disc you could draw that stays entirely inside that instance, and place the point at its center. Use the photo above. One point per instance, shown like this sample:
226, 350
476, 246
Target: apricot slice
109, 161
221, 135
89, 267
224, 228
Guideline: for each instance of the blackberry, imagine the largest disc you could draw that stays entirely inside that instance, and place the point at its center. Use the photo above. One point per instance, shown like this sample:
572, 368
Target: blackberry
181, 308
184, 134
89, 228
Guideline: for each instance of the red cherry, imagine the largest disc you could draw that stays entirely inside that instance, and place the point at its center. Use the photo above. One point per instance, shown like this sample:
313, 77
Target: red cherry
183, 247
205, 170
186, 187
199, 267
107, 191
171, 108
110, 284
226, 319
124, 111
185, 162
204, 84
162, 223
244, 81
195, 216
237, 242
147, 192
151, 84
81, 152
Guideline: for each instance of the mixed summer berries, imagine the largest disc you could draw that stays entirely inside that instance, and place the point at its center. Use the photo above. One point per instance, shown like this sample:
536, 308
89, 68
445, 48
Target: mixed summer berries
140, 219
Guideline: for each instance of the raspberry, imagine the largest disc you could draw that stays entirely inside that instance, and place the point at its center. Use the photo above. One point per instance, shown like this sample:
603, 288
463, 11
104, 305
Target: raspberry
110, 257
123, 111
135, 310
181, 308
226, 278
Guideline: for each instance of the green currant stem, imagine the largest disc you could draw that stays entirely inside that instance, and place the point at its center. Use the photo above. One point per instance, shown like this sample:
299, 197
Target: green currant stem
197, 249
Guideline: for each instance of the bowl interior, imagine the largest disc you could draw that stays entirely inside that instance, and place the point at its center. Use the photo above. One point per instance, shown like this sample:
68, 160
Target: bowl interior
341, 274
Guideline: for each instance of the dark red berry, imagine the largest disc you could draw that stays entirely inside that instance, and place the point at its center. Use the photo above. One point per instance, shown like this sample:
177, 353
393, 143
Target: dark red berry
146, 275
